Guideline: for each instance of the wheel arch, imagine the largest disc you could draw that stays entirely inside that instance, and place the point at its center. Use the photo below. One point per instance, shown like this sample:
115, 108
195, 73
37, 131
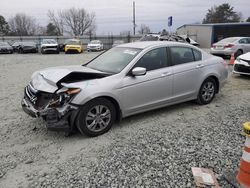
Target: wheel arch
215, 78
113, 101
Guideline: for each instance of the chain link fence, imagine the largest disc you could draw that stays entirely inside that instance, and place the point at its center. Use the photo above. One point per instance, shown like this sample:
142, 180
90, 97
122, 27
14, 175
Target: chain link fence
107, 40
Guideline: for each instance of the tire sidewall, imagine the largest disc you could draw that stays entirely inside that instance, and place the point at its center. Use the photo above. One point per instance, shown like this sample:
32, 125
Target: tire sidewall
200, 99
238, 53
80, 121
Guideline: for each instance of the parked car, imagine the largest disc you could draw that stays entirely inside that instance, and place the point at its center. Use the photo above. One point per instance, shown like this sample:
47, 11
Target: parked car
150, 37
117, 42
73, 45
166, 37
125, 80
15, 46
242, 64
231, 45
5, 48
25, 47
95, 45
49, 46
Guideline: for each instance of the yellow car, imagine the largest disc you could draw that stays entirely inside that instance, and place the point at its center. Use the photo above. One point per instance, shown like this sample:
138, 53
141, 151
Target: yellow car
73, 45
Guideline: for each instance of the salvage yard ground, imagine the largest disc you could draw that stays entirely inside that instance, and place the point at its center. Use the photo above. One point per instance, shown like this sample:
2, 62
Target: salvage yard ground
153, 149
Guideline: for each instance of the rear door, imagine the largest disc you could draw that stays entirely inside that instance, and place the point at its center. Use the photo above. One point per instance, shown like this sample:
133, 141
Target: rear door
187, 71
140, 93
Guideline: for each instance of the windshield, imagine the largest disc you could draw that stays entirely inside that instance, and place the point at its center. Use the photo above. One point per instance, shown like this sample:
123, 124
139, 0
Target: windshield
29, 43
4, 44
114, 60
48, 41
73, 42
95, 42
229, 40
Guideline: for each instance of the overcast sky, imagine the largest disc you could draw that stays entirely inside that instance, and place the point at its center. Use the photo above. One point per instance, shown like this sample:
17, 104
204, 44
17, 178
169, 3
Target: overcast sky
113, 16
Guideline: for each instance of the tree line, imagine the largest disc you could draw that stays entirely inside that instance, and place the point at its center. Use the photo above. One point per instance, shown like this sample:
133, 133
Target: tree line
73, 21
78, 22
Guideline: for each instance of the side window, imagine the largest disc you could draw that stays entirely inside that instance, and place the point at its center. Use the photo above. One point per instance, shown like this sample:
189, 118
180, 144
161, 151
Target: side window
180, 55
197, 55
154, 59
243, 41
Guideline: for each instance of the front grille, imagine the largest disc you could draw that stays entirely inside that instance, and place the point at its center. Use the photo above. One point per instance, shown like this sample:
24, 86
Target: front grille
248, 61
50, 47
31, 93
39, 99
241, 68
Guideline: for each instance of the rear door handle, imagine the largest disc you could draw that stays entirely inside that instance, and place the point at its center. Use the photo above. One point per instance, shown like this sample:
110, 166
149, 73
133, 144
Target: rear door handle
199, 66
166, 74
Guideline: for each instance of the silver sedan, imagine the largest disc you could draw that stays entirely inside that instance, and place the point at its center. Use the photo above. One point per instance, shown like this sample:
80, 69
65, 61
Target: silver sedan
128, 79
231, 45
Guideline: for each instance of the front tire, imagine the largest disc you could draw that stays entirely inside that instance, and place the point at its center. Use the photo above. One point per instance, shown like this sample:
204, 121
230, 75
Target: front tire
207, 91
96, 117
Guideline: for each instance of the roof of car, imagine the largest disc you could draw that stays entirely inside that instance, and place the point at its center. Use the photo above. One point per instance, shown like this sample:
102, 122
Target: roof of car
146, 44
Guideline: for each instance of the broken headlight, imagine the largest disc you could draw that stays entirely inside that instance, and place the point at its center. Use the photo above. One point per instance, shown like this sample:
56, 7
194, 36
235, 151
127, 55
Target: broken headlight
64, 96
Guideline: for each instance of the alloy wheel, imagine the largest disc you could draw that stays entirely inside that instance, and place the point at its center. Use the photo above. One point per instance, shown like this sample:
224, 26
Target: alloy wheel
98, 118
208, 91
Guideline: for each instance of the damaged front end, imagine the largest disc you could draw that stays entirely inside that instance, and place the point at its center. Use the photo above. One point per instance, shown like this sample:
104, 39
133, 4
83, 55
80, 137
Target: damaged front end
51, 91
54, 108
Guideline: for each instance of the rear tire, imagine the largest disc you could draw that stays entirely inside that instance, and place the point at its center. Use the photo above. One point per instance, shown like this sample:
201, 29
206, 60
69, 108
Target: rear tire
207, 92
96, 117
238, 53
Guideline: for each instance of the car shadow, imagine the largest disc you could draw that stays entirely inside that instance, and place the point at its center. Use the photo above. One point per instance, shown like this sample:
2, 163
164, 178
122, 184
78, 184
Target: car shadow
244, 77
154, 114
145, 116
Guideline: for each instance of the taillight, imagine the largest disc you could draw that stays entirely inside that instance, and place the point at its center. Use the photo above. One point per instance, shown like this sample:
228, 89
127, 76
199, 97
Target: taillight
213, 46
228, 46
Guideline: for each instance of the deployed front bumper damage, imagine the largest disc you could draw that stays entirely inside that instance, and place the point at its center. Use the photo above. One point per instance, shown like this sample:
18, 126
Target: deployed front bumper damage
57, 119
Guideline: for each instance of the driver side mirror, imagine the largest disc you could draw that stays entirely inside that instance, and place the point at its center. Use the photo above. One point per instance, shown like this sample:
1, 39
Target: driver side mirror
139, 71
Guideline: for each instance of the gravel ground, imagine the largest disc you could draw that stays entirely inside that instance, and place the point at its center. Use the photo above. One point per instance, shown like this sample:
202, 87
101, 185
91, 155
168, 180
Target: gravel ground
153, 149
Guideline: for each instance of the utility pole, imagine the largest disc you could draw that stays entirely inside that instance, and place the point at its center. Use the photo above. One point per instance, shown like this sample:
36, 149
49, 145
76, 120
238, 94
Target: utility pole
134, 17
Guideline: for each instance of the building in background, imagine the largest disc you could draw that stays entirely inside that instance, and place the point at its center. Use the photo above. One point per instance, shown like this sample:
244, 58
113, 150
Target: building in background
207, 34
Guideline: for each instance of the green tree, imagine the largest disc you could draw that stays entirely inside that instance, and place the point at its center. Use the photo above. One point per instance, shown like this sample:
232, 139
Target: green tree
52, 30
223, 13
248, 19
4, 26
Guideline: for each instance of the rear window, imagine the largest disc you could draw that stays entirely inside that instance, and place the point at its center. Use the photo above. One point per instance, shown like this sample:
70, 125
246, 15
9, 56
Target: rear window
180, 55
197, 55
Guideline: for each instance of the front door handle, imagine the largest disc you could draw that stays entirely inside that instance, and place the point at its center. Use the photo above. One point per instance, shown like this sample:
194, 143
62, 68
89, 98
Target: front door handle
166, 74
199, 66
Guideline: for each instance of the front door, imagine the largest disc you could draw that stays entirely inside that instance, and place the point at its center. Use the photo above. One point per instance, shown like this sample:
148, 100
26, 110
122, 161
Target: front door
141, 93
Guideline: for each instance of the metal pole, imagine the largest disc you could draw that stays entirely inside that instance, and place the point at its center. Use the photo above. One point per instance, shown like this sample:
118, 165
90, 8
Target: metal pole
134, 16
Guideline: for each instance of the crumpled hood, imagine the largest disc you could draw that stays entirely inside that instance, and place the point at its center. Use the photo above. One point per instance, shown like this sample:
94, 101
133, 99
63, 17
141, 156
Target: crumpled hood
47, 79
